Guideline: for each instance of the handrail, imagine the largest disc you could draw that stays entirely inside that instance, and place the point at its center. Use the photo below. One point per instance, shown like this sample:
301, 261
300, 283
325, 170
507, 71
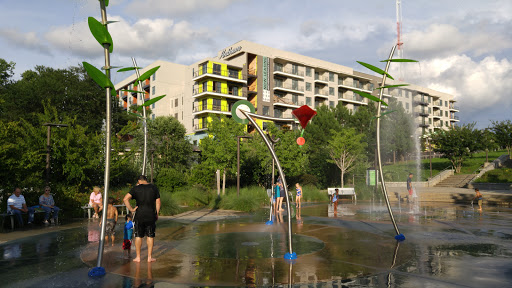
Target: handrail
439, 174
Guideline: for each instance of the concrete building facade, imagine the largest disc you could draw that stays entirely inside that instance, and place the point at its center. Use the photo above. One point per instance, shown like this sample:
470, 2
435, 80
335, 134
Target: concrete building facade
276, 82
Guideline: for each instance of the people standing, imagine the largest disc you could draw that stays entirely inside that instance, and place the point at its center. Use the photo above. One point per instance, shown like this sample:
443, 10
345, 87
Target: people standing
409, 186
147, 206
280, 192
298, 196
16, 205
127, 236
95, 201
478, 197
47, 203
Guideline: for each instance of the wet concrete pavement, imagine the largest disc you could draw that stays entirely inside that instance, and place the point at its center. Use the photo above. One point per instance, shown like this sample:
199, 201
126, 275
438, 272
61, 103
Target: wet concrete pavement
447, 245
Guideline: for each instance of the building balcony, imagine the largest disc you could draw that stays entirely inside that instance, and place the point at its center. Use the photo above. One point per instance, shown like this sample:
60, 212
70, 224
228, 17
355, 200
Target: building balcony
354, 99
200, 127
281, 101
420, 101
321, 80
454, 108
252, 72
437, 104
210, 108
288, 72
454, 118
223, 92
437, 114
321, 93
224, 74
145, 84
288, 88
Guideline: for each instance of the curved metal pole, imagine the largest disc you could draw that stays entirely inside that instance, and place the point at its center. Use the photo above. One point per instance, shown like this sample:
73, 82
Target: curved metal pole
144, 122
274, 141
274, 156
378, 142
107, 141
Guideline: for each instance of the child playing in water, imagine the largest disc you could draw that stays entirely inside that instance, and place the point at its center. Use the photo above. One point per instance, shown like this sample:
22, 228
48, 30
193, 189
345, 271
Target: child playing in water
111, 221
478, 197
298, 196
127, 239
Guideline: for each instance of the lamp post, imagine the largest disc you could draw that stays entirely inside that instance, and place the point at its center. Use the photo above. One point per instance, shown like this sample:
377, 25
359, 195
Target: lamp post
48, 147
429, 144
238, 163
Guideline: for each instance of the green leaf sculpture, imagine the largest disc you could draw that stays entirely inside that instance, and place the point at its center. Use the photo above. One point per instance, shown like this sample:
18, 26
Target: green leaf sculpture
375, 69
149, 102
391, 86
370, 96
399, 60
99, 77
148, 73
128, 69
100, 32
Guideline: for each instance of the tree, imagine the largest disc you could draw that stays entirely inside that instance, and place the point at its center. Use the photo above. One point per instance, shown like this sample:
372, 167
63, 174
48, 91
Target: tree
456, 144
503, 132
345, 147
397, 129
6, 72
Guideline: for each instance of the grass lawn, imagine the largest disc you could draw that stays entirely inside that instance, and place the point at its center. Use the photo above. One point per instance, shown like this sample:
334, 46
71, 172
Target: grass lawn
398, 172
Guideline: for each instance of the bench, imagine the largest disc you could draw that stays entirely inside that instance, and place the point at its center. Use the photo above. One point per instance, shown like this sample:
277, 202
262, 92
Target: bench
4, 216
89, 208
344, 192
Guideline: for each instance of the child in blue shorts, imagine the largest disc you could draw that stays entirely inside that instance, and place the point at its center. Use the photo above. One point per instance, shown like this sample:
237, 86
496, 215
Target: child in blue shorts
127, 239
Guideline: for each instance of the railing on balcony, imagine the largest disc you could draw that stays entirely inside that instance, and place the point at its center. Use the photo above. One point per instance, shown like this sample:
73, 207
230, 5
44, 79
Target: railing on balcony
288, 86
225, 91
212, 107
321, 78
321, 92
231, 73
355, 97
288, 71
454, 107
252, 71
283, 100
201, 126
454, 117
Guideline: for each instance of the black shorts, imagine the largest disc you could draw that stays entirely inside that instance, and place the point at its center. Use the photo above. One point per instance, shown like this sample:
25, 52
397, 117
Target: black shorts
142, 229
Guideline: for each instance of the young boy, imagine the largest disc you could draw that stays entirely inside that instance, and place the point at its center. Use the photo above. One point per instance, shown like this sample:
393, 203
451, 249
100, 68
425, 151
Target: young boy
127, 240
111, 221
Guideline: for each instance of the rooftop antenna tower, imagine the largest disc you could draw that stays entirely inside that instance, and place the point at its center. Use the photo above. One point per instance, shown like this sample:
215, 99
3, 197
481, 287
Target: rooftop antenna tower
399, 42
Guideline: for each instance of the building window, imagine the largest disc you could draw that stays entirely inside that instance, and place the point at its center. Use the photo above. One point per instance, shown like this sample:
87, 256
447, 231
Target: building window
266, 110
446, 123
445, 113
331, 91
446, 104
407, 93
216, 69
154, 76
279, 82
370, 86
216, 104
308, 86
176, 101
278, 113
295, 84
218, 86
429, 120
153, 106
295, 99
278, 67
153, 90
331, 103
264, 126
308, 101
429, 110
176, 115
407, 106
308, 71
295, 69
204, 68
399, 92
232, 73
331, 77
153, 116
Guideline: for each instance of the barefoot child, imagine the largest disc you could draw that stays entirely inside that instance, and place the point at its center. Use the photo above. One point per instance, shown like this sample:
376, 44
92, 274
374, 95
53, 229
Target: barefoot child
111, 221
298, 196
127, 239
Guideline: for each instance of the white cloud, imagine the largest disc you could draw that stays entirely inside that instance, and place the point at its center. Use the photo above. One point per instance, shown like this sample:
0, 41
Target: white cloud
149, 38
29, 40
147, 8
441, 40
478, 86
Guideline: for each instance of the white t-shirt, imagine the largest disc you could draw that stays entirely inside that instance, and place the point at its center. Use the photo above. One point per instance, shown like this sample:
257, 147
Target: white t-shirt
15, 201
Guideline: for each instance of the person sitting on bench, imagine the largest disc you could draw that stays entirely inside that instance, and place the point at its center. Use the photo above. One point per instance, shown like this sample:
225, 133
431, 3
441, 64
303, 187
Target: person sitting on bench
47, 203
16, 205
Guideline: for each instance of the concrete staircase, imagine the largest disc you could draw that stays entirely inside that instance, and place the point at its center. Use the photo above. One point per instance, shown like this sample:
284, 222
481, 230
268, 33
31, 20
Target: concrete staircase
458, 181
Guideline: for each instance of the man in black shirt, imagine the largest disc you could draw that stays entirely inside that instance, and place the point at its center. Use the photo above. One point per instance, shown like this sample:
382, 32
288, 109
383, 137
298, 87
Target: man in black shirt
146, 211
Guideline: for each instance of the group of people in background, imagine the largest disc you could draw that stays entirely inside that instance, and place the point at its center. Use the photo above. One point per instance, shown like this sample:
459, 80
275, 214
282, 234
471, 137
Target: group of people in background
17, 205
277, 200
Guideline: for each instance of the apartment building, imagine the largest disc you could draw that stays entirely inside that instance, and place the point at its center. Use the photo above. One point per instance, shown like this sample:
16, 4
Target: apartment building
276, 82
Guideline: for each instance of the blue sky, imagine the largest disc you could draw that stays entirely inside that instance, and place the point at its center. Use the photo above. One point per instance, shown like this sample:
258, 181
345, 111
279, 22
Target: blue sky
464, 47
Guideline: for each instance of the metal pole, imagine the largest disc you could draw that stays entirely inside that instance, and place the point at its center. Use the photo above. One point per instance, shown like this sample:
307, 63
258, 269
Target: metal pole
48, 148
430, 155
144, 122
237, 166
107, 140
274, 156
378, 142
